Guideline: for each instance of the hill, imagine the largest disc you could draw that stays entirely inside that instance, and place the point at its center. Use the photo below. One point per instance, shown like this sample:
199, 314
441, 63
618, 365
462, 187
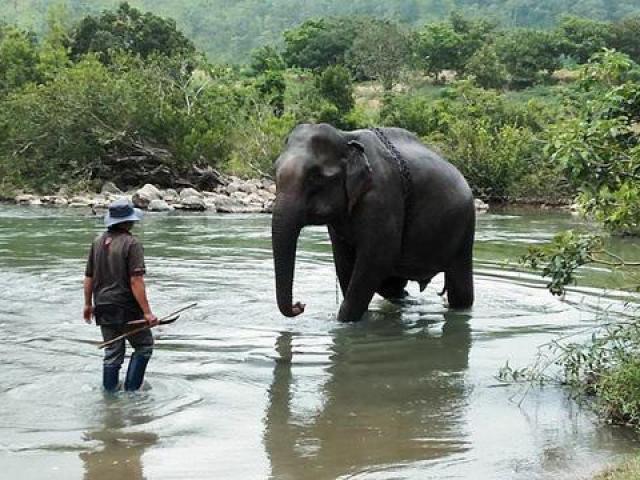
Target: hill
229, 29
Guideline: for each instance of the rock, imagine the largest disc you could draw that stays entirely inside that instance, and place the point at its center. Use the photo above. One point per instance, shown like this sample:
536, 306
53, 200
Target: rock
80, 201
189, 193
233, 187
191, 203
254, 199
60, 201
158, 205
238, 196
24, 198
110, 188
142, 197
481, 206
272, 188
170, 195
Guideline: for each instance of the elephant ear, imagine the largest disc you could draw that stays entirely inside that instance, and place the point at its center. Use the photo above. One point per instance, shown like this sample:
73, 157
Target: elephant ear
358, 173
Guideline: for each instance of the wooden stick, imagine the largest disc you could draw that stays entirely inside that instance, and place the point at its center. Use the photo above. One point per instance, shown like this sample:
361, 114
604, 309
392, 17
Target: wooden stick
172, 317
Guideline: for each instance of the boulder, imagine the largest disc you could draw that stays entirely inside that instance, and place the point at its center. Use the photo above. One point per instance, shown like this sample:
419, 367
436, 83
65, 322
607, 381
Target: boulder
24, 198
191, 203
142, 197
80, 201
170, 195
481, 206
110, 188
189, 193
158, 205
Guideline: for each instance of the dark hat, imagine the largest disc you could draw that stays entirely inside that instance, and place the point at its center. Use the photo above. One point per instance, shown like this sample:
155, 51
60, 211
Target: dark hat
120, 211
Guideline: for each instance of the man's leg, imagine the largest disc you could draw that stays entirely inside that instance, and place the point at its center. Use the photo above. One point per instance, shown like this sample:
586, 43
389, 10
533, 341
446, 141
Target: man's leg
142, 343
113, 357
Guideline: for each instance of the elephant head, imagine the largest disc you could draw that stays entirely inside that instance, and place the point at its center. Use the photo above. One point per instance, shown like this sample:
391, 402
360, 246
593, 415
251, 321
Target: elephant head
320, 177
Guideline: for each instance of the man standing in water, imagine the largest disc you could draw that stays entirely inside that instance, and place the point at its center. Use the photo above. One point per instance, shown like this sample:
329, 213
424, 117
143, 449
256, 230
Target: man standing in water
114, 280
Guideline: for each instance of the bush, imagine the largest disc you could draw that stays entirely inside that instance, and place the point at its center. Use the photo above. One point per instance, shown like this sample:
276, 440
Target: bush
599, 146
486, 69
493, 141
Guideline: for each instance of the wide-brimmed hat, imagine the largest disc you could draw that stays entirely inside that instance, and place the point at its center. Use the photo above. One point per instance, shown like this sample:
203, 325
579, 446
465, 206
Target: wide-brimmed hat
122, 210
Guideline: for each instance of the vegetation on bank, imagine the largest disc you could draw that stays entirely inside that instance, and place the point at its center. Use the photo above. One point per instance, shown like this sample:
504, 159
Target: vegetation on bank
629, 470
126, 96
600, 155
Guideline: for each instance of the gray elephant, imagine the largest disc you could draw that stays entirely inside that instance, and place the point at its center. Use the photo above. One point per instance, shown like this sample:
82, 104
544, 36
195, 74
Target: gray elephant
396, 211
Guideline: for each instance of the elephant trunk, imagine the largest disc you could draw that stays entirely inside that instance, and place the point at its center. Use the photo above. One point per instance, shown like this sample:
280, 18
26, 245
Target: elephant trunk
286, 224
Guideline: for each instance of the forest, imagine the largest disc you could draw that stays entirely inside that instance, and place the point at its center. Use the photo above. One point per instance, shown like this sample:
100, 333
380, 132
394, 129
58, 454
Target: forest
547, 115
228, 30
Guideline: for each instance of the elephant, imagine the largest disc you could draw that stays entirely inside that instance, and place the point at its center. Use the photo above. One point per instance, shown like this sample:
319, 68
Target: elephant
396, 211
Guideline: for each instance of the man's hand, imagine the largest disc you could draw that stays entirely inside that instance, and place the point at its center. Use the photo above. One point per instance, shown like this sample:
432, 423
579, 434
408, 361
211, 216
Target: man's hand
151, 319
87, 313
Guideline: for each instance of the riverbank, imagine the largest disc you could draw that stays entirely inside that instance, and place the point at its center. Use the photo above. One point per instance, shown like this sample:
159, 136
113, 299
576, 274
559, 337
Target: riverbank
629, 470
235, 195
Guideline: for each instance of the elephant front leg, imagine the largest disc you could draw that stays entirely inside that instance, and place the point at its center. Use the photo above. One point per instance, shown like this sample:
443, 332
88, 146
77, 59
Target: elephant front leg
365, 280
344, 257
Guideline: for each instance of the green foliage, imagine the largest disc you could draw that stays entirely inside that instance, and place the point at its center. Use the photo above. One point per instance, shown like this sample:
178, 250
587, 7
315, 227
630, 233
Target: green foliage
438, 48
583, 37
130, 30
18, 59
380, 51
625, 36
530, 56
228, 31
486, 69
265, 59
317, 44
335, 85
598, 147
562, 257
493, 141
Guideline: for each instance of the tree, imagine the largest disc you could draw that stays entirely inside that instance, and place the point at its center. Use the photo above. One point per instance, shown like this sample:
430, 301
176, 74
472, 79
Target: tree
380, 51
18, 59
582, 37
599, 147
266, 58
438, 48
625, 34
486, 68
528, 55
335, 85
316, 44
130, 30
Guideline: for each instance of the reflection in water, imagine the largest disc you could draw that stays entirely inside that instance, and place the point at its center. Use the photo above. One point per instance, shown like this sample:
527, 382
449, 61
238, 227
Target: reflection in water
119, 454
394, 395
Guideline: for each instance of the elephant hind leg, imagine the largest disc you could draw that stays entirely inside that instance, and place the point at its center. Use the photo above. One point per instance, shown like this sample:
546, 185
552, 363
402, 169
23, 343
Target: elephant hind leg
458, 281
392, 288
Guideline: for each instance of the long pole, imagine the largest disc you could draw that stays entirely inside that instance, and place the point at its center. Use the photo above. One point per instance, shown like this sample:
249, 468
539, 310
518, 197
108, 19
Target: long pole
172, 317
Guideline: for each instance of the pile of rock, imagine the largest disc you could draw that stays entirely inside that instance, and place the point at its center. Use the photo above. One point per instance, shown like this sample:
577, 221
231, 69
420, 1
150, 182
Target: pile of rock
237, 196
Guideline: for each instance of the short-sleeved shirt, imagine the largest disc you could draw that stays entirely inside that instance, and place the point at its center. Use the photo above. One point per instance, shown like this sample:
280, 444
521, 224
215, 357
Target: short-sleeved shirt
114, 258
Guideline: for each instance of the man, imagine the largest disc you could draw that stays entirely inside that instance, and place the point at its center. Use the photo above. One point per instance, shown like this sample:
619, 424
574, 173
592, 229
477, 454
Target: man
114, 280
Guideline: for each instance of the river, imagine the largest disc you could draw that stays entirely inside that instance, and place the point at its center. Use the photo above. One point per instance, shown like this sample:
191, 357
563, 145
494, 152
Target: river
236, 391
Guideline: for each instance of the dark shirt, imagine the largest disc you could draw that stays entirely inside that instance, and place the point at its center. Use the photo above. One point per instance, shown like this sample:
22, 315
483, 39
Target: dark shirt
114, 258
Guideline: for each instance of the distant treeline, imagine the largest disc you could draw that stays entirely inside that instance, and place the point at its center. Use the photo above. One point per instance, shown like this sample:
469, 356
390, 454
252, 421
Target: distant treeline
228, 30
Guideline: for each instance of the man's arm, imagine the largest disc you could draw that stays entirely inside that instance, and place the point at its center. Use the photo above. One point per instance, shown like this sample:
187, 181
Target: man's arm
88, 300
140, 294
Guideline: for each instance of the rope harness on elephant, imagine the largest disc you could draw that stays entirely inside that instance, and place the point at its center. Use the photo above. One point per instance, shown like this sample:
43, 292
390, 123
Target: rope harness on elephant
405, 176
403, 167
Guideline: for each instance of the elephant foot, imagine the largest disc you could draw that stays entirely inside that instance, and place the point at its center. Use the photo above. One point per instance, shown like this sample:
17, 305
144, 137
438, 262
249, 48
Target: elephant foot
392, 289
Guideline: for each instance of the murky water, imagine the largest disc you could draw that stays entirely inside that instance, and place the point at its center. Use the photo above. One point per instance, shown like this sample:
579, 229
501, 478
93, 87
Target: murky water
239, 392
